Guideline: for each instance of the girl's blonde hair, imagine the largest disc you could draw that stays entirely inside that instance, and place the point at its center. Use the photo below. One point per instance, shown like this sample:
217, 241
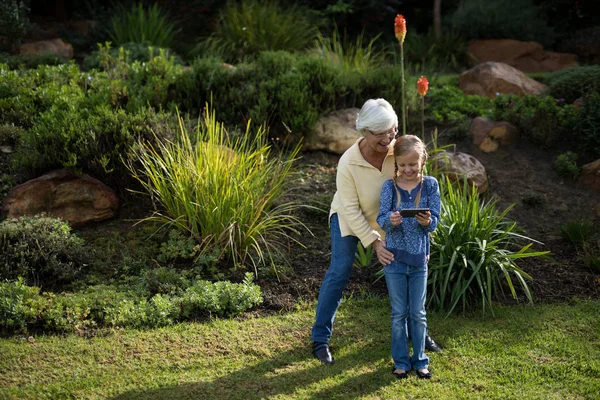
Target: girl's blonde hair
404, 145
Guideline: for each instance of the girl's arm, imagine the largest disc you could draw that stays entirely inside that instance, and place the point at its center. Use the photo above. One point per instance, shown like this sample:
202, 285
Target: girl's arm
434, 204
386, 208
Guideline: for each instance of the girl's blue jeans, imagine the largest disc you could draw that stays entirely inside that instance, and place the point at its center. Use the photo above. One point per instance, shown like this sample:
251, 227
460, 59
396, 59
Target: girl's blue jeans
407, 288
343, 250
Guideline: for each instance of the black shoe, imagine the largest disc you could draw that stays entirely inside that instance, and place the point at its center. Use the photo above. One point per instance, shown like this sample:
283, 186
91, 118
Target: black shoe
424, 375
399, 375
431, 345
322, 353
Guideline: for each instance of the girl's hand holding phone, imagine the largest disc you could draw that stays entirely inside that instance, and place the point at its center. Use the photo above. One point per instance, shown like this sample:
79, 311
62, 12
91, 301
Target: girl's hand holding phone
396, 218
424, 218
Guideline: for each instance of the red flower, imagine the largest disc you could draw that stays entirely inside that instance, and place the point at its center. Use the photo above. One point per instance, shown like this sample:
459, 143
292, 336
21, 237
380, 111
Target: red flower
400, 28
422, 85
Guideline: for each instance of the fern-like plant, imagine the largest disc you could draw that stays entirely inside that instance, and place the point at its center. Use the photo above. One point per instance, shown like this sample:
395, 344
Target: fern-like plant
138, 24
474, 253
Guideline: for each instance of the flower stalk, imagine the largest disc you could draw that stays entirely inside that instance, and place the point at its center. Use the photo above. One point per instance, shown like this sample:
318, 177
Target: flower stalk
422, 86
400, 31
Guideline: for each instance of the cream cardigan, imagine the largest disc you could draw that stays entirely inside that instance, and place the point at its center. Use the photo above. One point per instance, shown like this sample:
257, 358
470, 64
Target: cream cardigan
356, 200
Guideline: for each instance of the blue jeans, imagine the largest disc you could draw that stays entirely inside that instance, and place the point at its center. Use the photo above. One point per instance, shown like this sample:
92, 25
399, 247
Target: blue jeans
343, 250
407, 288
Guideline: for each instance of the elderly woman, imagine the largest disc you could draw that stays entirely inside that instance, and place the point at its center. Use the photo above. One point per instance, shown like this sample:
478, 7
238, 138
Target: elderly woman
361, 172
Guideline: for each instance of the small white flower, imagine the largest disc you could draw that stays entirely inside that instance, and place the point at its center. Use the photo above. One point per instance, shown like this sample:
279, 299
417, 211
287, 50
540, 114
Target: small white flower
244, 28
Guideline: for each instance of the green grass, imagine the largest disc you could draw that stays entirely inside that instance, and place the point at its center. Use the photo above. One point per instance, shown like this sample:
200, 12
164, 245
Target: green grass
526, 352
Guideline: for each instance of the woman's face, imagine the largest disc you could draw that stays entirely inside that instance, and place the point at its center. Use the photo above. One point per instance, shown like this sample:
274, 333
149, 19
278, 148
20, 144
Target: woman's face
409, 166
380, 141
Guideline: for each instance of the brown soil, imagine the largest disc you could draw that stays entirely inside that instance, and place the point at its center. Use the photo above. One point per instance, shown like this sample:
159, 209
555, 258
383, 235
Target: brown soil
512, 173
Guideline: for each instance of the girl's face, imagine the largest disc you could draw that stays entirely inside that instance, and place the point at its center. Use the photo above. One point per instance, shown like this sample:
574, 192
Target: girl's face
409, 166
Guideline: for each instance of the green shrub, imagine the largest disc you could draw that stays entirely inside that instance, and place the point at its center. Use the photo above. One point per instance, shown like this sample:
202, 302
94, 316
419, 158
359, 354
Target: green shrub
222, 190
149, 26
20, 305
177, 247
135, 51
572, 83
591, 256
42, 250
424, 54
586, 130
162, 281
566, 165
449, 105
542, 119
221, 298
534, 199
10, 135
247, 28
578, 232
24, 61
502, 19
14, 22
474, 253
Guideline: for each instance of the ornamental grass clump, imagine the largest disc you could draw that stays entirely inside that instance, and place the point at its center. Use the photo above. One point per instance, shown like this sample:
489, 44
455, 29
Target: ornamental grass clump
224, 191
474, 253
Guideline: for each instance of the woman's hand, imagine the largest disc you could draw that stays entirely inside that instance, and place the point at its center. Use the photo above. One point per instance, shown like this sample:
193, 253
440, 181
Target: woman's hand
424, 218
384, 256
396, 218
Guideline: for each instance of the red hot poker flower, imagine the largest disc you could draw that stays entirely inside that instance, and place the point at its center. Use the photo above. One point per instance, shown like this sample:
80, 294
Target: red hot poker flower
400, 28
422, 85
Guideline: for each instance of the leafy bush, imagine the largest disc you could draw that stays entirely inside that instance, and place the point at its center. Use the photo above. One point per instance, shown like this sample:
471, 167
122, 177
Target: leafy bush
23, 307
162, 281
177, 247
20, 305
247, 28
502, 19
24, 61
10, 135
586, 130
542, 119
424, 54
94, 140
42, 250
449, 105
572, 83
474, 253
14, 22
222, 190
149, 26
135, 52
566, 165
533, 199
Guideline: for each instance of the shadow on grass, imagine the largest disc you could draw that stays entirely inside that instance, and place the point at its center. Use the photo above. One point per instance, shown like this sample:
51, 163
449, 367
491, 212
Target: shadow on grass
285, 374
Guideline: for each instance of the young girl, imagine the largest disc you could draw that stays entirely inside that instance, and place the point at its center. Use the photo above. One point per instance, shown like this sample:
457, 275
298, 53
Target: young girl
408, 239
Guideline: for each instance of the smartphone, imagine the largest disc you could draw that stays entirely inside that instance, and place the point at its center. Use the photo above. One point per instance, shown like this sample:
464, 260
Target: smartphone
412, 212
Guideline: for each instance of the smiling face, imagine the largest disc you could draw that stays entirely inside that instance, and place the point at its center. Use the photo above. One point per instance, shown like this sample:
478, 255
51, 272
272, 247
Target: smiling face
380, 141
409, 166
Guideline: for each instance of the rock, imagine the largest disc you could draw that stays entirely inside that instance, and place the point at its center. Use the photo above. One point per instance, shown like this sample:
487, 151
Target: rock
490, 78
54, 46
63, 194
524, 56
489, 135
334, 132
590, 175
6, 149
456, 165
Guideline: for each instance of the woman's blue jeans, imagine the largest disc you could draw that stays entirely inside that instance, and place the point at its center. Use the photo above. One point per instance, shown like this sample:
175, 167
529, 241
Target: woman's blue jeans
407, 288
343, 250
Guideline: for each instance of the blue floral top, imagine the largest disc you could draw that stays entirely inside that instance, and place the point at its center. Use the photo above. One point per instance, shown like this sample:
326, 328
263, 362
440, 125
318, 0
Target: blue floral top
409, 241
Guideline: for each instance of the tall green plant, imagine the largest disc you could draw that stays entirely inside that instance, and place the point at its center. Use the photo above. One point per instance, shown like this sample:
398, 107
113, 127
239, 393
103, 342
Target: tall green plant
142, 25
474, 253
340, 50
246, 28
224, 191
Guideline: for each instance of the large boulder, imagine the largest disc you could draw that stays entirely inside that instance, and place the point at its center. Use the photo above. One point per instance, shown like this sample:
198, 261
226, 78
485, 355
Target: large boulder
525, 56
490, 135
457, 165
334, 132
491, 78
63, 194
590, 175
54, 46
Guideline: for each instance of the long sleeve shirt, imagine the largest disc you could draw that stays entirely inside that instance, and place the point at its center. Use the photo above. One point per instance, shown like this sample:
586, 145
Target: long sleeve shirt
409, 241
356, 200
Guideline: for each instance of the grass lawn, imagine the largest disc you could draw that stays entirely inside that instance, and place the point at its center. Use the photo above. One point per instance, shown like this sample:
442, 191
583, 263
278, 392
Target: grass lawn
526, 352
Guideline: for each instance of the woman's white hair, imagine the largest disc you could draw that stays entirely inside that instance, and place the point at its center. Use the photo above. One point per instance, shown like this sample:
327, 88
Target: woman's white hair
376, 115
